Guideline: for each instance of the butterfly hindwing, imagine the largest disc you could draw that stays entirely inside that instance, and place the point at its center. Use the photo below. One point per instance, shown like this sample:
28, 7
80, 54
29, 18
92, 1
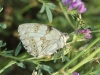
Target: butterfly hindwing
40, 40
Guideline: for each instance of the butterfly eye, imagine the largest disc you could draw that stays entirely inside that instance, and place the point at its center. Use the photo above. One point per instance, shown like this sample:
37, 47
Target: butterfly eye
66, 35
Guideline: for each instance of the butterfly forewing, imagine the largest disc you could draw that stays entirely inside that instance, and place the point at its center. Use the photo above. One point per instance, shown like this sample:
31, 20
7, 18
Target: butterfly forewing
41, 40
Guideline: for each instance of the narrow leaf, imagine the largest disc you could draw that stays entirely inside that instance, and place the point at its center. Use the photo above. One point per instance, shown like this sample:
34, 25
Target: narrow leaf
42, 9
6, 66
47, 68
65, 58
4, 44
51, 6
55, 57
1, 43
38, 68
18, 49
3, 25
1, 9
7, 52
39, 71
49, 14
20, 64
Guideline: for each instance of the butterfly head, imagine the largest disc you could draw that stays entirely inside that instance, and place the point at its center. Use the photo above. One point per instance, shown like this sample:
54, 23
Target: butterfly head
66, 36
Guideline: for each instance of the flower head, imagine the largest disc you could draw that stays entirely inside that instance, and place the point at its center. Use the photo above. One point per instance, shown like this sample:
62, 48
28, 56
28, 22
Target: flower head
65, 2
85, 32
75, 4
75, 73
81, 8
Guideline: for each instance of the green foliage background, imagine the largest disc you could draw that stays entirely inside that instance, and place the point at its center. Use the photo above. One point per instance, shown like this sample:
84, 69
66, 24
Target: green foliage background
16, 12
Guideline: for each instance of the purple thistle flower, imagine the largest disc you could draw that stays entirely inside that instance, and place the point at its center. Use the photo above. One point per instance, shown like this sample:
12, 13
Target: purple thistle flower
75, 73
75, 4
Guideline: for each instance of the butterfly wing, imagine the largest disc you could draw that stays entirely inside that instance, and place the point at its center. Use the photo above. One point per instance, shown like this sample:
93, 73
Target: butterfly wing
40, 40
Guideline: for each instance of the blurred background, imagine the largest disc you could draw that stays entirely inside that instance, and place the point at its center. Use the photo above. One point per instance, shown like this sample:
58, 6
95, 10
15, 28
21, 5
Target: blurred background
16, 12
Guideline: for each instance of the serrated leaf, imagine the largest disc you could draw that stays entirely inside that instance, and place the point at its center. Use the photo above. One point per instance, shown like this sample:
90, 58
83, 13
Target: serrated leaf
42, 9
49, 14
51, 6
18, 49
47, 68
20, 64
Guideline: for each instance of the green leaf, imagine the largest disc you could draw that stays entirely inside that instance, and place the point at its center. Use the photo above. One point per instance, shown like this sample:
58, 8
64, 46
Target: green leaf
47, 68
1, 43
6, 66
20, 64
49, 14
3, 25
39, 71
89, 71
38, 68
41, 1
1, 9
55, 57
51, 6
43, 8
7, 52
65, 58
18, 49
4, 44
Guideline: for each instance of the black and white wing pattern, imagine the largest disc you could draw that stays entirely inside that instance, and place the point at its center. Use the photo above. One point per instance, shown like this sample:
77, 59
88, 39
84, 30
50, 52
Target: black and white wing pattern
41, 40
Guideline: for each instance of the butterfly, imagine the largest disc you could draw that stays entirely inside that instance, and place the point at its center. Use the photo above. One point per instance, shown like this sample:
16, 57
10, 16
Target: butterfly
41, 40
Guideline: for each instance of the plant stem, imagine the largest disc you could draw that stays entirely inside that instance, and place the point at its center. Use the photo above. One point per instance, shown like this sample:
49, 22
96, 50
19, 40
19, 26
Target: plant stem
25, 9
76, 57
8, 65
95, 31
66, 15
11, 57
87, 59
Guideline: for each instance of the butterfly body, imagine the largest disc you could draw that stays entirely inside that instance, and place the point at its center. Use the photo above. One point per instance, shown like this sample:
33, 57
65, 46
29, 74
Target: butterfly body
41, 40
